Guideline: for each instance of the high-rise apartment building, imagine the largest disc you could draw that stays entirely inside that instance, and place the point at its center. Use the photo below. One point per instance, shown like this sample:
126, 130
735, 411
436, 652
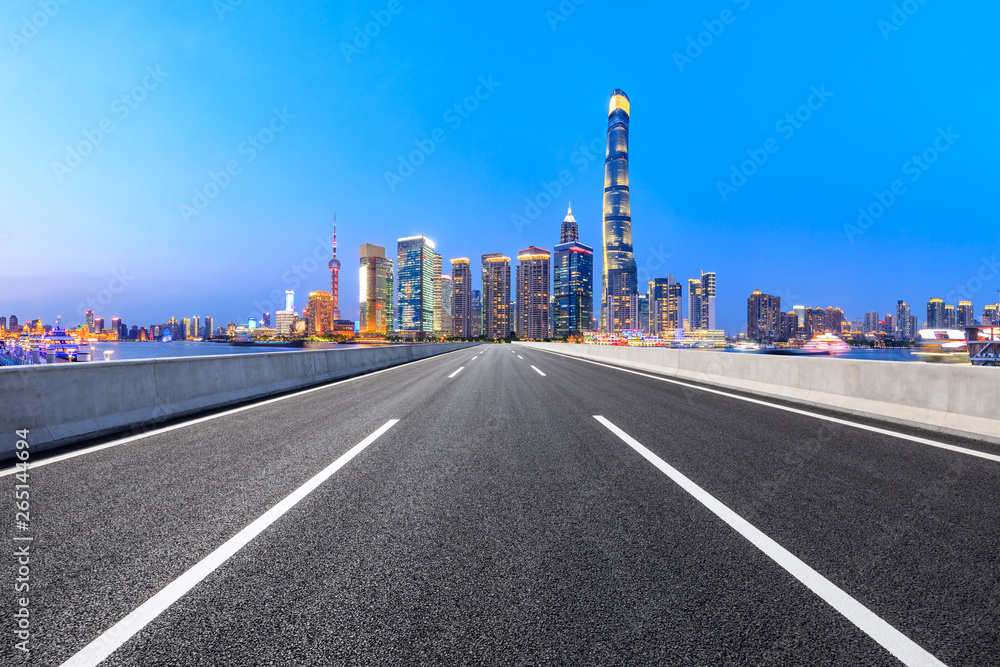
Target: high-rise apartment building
871, 322
284, 321
708, 300
533, 294
573, 281
800, 311
763, 316
210, 325
903, 321
991, 315
415, 286
935, 314
461, 309
964, 316
833, 321
440, 327
949, 316
665, 295
619, 302
694, 303
375, 280
496, 295
815, 322
788, 325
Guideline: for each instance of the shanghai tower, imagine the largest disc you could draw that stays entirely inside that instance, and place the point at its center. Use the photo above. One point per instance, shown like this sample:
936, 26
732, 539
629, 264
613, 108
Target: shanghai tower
620, 298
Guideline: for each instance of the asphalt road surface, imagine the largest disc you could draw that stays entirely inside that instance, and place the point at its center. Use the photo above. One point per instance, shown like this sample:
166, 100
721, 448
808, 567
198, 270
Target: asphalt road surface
502, 505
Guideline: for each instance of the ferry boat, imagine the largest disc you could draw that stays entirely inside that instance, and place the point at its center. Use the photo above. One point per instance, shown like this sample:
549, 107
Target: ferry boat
820, 344
942, 346
57, 344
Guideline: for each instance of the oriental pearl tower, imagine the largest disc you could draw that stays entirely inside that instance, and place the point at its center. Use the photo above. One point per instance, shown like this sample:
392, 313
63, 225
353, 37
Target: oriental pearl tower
335, 276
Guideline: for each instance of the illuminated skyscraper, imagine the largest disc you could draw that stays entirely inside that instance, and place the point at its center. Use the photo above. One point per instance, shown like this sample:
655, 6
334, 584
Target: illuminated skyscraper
694, 303
415, 286
619, 301
334, 266
447, 297
496, 295
903, 321
533, 294
195, 327
935, 314
708, 300
949, 316
991, 315
210, 325
319, 318
477, 313
461, 313
90, 320
965, 317
763, 316
289, 300
375, 281
573, 284
664, 296
439, 310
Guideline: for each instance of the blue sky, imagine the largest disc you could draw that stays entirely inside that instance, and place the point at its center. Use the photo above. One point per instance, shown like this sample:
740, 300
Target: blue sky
339, 112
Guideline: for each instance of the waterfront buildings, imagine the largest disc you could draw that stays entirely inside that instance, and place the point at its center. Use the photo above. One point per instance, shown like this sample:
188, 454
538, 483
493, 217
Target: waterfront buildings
619, 301
461, 308
833, 320
415, 286
533, 294
89, 316
694, 303
496, 295
290, 300
573, 281
788, 325
447, 295
284, 322
375, 281
763, 316
991, 314
665, 295
210, 325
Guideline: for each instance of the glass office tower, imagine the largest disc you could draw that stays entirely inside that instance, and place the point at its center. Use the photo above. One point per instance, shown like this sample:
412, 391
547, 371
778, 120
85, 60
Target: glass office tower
619, 303
415, 286
573, 281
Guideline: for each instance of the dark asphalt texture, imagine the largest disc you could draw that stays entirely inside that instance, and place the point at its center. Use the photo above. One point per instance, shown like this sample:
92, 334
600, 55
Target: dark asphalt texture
498, 523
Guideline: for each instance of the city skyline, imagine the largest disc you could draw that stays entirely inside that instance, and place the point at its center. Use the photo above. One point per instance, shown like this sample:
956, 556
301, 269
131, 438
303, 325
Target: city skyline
887, 102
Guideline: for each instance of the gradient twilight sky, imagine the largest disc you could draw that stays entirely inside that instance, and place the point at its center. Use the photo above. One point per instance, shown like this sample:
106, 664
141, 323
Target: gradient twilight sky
225, 66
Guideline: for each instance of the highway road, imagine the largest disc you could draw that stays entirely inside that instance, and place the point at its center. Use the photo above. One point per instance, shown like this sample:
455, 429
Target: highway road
502, 505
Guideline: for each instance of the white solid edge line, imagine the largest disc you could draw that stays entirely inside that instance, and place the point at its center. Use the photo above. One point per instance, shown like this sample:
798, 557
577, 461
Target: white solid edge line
538, 371
898, 644
456, 372
106, 644
199, 420
873, 429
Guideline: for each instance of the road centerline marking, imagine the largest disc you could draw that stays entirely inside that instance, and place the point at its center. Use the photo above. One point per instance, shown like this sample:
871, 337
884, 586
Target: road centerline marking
894, 641
113, 638
520, 357
786, 408
456, 372
538, 371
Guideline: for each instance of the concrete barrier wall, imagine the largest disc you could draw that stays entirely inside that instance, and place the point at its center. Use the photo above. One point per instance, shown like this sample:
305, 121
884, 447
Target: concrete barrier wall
66, 403
961, 400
